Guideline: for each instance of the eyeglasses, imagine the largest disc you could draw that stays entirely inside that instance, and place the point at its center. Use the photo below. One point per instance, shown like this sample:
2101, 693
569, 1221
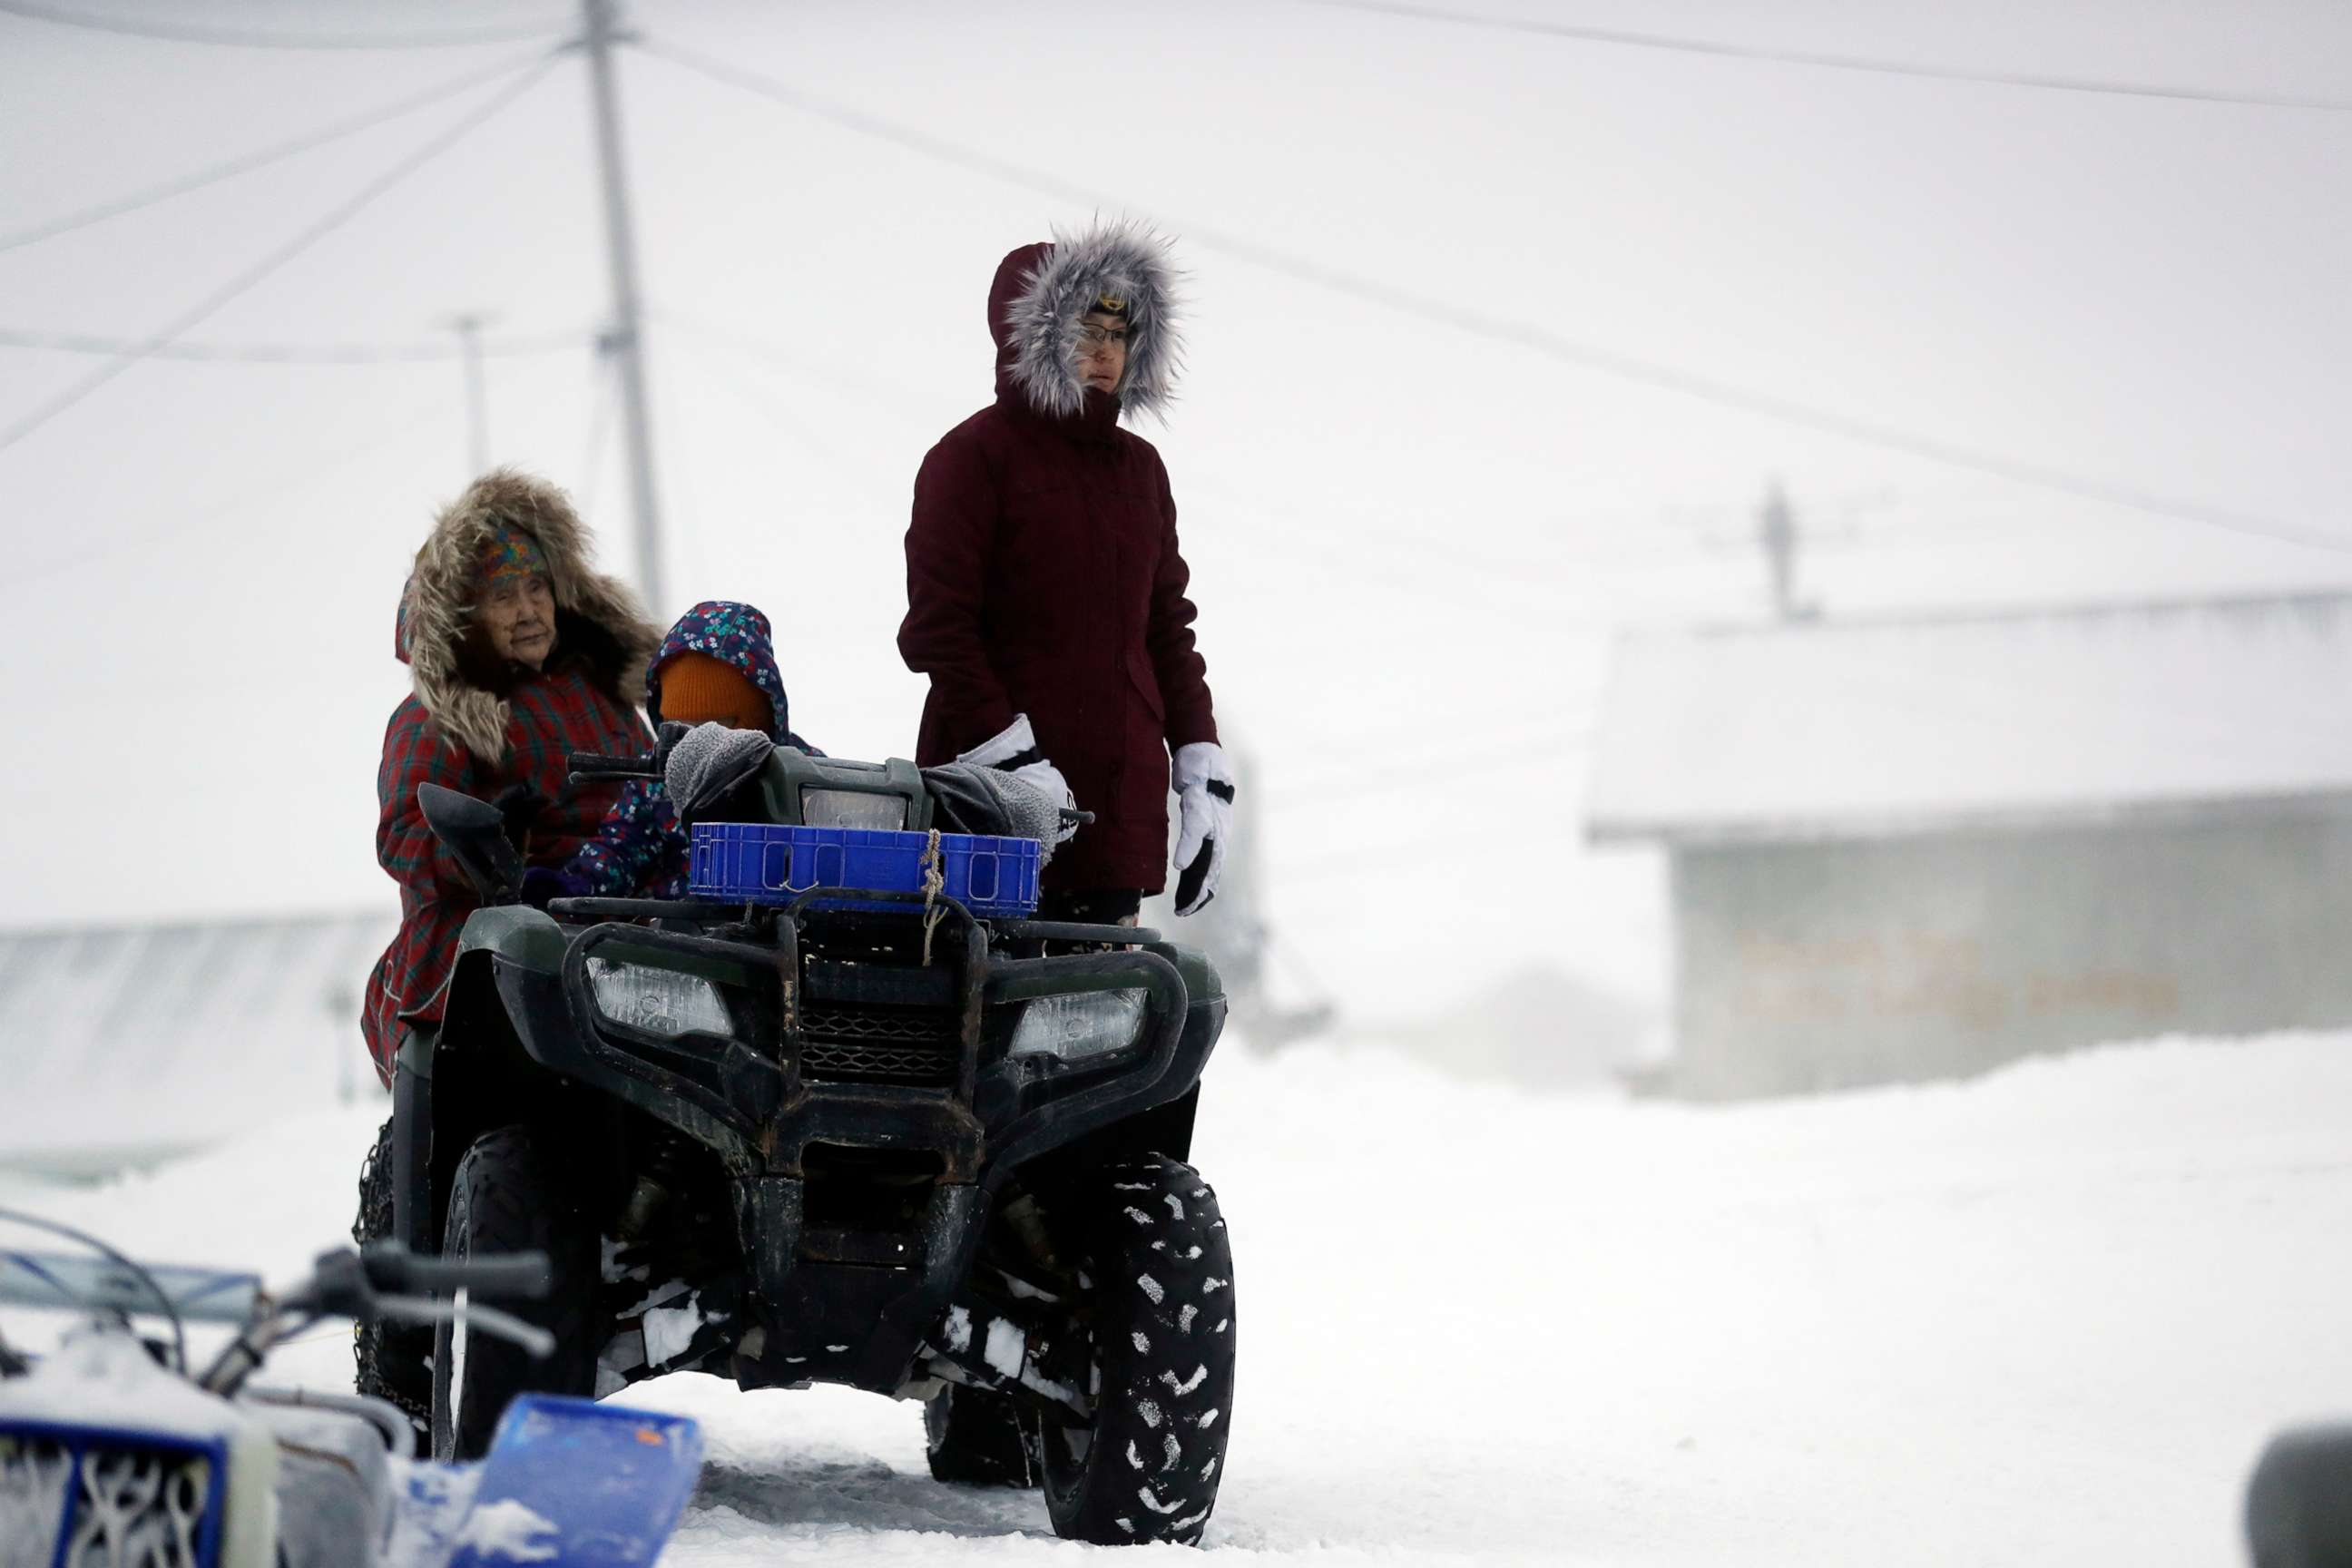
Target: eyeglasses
1091, 338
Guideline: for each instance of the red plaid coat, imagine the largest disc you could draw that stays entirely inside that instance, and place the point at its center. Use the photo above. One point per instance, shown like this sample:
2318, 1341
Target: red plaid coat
555, 713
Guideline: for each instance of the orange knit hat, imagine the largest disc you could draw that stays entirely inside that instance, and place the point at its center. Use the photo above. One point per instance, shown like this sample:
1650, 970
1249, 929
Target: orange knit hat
696, 689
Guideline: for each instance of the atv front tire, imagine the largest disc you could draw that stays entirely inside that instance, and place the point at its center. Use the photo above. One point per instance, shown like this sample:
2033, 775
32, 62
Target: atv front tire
1161, 1298
504, 1199
973, 1437
391, 1356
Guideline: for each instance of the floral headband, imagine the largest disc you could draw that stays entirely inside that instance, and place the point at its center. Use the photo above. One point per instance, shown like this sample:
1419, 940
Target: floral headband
511, 553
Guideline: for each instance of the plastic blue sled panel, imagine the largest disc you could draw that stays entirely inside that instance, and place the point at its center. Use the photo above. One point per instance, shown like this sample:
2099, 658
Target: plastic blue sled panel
742, 862
573, 1484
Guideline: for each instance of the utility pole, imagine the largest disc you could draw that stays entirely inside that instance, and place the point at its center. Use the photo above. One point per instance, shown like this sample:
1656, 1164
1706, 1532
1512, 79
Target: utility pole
1777, 533
1776, 530
624, 339
468, 329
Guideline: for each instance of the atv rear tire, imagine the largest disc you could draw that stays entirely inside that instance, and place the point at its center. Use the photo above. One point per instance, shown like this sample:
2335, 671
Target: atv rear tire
973, 1439
504, 1199
391, 1356
1161, 1301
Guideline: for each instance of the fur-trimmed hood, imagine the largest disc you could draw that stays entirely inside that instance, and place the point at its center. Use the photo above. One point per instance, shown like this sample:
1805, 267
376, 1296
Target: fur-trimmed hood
1041, 293
598, 619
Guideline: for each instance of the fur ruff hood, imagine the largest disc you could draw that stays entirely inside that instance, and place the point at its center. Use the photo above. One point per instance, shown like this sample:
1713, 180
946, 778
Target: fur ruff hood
1043, 291
598, 617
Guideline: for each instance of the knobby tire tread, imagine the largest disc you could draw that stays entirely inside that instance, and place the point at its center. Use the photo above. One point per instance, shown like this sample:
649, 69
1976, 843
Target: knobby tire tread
1165, 1407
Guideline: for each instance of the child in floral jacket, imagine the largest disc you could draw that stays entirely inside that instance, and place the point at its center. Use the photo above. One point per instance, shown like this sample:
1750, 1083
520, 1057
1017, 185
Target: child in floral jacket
718, 664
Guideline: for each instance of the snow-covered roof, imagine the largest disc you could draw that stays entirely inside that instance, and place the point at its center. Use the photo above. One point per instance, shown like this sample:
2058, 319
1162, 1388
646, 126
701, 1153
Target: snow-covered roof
133, 1039
1885, 726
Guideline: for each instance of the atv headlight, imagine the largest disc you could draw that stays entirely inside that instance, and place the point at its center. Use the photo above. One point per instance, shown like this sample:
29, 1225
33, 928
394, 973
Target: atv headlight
661, 1001
1078, 1026
852, 808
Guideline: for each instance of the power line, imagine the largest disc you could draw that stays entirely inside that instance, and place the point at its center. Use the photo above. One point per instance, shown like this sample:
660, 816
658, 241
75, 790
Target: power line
1534, 572
249, 161
1521, 334
1509, 571
1395, 769
291, 353
755, 350
174, 32
739, 375
1484, 724
251, 277
1832, 61
379, 436
867, 124
759, 350
1462, 583
748, 345
1437, 849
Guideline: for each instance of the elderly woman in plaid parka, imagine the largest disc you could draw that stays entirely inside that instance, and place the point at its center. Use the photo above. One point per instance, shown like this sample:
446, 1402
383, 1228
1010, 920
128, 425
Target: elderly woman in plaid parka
518, 655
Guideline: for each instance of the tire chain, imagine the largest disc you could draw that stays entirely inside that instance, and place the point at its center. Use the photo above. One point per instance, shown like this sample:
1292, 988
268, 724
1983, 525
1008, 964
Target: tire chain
370, 1342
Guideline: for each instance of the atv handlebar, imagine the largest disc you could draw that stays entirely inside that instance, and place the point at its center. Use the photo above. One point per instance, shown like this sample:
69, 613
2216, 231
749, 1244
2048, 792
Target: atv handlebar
533, 1339
393, 1271
587, 765
386, 1280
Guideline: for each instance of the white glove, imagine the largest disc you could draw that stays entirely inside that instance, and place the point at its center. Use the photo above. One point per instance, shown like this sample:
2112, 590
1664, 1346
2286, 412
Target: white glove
1203, 783
1013, 751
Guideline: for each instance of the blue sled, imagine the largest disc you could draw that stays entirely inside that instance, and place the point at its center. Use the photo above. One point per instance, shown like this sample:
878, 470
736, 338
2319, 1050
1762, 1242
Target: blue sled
567, 1483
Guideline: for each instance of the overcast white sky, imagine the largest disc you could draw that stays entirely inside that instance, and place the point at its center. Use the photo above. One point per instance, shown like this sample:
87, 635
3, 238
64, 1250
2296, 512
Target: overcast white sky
1410, 544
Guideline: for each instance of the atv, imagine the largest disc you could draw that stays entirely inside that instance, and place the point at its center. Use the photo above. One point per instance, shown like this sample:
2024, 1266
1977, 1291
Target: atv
828, 1121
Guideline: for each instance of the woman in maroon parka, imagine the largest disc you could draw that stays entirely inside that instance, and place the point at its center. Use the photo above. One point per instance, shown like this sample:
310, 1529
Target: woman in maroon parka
1044, 580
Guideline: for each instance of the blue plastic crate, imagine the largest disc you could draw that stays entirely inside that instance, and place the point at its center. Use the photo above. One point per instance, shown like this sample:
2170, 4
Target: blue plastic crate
736, 862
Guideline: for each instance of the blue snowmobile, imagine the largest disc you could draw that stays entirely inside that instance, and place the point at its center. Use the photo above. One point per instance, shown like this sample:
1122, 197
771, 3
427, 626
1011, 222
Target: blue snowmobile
113, 1450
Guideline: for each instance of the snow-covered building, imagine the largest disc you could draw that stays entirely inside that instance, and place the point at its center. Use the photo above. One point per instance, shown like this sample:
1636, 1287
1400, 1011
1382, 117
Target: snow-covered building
1907, 848
123, 1043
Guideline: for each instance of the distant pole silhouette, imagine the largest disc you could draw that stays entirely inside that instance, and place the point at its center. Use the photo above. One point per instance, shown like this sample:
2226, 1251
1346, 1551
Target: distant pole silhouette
624, 339
468, 329
1776, 530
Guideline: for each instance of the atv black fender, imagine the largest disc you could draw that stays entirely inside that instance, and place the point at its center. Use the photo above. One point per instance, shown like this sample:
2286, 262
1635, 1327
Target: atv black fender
456, 1079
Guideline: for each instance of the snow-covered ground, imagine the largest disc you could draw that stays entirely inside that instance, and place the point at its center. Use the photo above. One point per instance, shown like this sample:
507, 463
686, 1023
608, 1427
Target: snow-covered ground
2048, 1317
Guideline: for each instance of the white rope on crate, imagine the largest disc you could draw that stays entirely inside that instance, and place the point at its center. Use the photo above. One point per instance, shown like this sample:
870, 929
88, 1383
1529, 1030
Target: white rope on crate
935, 882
